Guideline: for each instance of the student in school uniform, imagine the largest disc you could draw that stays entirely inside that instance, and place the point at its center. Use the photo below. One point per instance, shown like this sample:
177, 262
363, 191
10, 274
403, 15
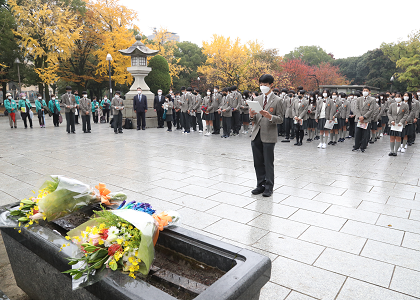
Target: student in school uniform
39, 107
416, 108
117, 105
408, 130
417, 97
185, 103
322, 115
288, 116
384, 116
336, 108
168, 105
208, 112
397, 114
217, 98
374, 123
236, 114
244, 110
54, 106
282, 95
11, 108
85, 108
197, 103
300, 117
364, 107
225, 111
264, 135
343, 119
25, 110
69, 102
311, 116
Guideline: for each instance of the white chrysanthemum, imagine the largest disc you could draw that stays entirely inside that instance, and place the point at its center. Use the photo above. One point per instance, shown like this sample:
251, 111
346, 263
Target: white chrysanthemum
113, 230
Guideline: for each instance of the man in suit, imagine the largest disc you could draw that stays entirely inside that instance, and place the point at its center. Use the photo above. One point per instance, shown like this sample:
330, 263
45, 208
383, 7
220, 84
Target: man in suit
85, 107
363, 111
264, 135
140, 109
117, 106
157, 105
69, 102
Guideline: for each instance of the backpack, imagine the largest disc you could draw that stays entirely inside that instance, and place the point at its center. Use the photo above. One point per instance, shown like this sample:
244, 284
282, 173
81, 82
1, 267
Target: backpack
128, 124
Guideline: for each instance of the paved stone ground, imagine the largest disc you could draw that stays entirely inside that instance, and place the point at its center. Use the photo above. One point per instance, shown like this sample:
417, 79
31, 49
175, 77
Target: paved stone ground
340, 225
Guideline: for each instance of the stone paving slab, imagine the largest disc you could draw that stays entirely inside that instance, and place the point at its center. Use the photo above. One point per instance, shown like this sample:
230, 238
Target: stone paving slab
331, 231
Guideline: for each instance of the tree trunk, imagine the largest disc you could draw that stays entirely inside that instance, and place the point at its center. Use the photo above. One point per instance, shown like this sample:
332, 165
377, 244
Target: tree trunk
4, 89
41, 88
47, 93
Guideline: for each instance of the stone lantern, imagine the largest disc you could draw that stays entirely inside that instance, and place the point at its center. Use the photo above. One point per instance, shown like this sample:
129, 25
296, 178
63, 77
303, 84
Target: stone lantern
139, 69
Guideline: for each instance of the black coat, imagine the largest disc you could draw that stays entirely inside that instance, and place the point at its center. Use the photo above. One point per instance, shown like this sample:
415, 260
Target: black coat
158, 104
140, 106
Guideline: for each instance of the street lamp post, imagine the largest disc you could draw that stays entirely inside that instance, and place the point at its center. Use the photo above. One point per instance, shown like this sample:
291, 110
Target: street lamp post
392, 80
109, 58
17, 61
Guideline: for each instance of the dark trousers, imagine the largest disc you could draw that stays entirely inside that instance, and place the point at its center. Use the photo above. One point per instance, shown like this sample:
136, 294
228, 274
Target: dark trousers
299, 133
186, 121
216, 123
141, 120
289, 128
178, 119
118, 122
76, 117
86, 123
351, 127
169, 124
193, 124
361, 137
199, 121
41, 118
56, 120
236, 125
263, 154
106, 113
175, 121
24, 117
95, 116
227, 125
70, 121
159, 114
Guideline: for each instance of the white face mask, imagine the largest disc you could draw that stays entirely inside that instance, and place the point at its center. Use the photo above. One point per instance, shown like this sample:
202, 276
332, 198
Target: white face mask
138, 92
105, 98
159, 93
377, 100
215, 91
312, 98
53, 98
398, 100
39, 98
23, 97
84, 96
208, 93
325, 95
117, 96
381, 97
69, 92
406, 98
9, 97
365, 94
418, 93
265, 89
334, 96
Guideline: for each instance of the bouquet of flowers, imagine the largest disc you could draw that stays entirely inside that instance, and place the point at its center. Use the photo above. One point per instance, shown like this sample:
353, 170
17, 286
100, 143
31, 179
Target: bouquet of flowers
121, 239
60, 196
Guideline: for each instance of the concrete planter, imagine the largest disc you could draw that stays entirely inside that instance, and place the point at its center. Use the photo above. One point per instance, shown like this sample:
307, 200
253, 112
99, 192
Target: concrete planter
37, 265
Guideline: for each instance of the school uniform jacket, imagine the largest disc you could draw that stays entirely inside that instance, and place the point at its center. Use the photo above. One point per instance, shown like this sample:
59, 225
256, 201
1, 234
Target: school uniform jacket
411, 113
197, 103
236, 100
244, 108
177, 104
376, 112
287, 106
217, 98
300, 110
168, 106
268, 128
311, 111
85, 105
345, 109
226, 102
398, 117
208, 101
364, 107
116, 102
384, 108
336, 107
329, 109
185, 102
68, 100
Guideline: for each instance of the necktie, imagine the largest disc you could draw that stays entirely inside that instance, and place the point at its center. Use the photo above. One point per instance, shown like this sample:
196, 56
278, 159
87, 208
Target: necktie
399, 105
265, 102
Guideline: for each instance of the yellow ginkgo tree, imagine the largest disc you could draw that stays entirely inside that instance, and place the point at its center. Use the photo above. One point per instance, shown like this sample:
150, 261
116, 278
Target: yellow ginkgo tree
46, 31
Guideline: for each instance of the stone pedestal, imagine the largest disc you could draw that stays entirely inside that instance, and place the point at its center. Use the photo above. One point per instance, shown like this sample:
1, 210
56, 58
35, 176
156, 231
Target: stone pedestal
139, 73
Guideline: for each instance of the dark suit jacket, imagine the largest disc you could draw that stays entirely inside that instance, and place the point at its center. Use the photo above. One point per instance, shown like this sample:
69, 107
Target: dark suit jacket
140, 105
158, 104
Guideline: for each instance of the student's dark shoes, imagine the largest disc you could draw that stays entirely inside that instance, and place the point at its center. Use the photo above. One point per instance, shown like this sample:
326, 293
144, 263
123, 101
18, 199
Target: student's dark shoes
363, 150
267, 193
116, 132
316, 138
330, 142
88, 131
394, 154
258, 190
286, 141
120, 132
391, 154
371, 142
355, 149
299, 144
296, 144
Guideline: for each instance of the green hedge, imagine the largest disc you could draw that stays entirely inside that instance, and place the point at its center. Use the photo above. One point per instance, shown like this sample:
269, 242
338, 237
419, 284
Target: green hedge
159, 77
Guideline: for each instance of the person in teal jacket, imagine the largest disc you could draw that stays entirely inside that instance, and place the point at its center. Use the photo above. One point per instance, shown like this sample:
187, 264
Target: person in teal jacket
76, 114
39, 106
95, 109
54, 106
25, 106
106, 106
11, 108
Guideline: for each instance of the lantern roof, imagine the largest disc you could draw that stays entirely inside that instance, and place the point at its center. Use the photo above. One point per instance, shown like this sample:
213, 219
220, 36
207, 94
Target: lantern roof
138, 49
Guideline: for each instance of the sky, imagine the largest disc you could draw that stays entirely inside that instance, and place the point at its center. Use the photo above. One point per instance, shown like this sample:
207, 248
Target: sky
343, 28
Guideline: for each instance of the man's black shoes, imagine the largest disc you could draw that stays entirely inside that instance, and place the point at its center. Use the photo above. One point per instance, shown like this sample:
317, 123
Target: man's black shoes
258, 190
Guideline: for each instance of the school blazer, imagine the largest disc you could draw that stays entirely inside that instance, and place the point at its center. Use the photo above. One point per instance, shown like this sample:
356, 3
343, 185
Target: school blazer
300, 109
236, 100
208, 101
170, 106
329, 109
185, 102
287, 106
85, 105
266, 128
411, 113
345, 109
376, 112
311, 111
116, 102
197, 103
336, 108
398, 117
217, 98
226, 102
69, 100
245, 108
364, 109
